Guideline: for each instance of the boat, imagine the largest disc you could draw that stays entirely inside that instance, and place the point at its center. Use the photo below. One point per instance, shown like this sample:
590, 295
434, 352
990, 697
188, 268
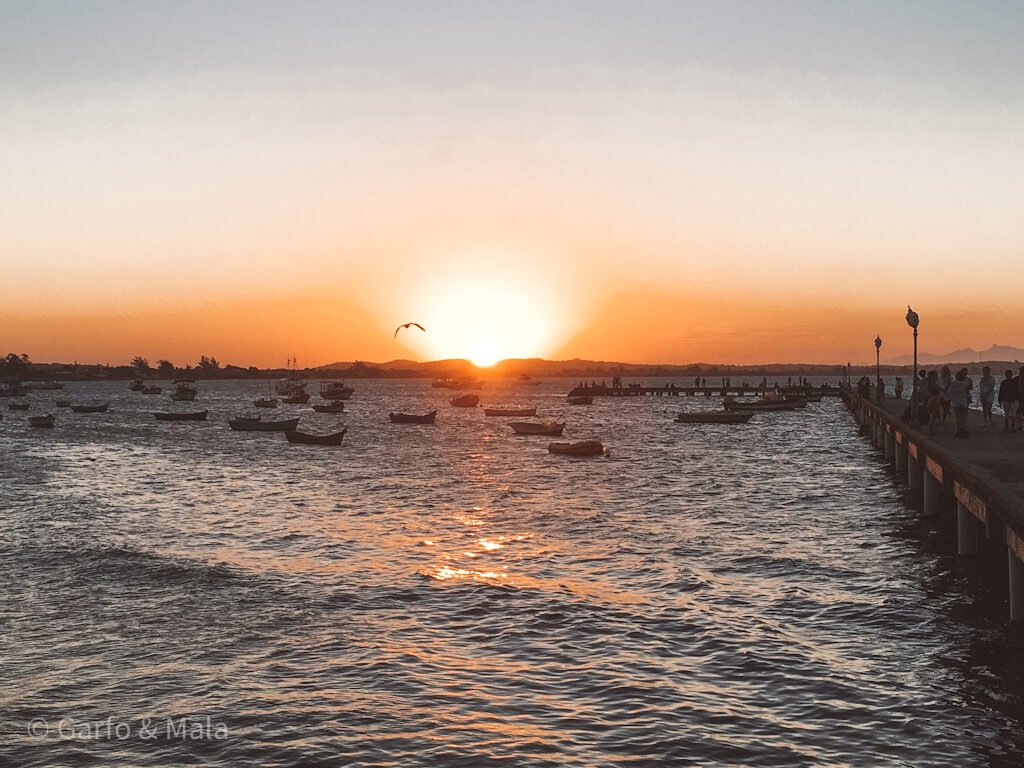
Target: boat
759, 405
63, 403
335, 406
19, 406
152, 390
184, 389
304, 438
457, 384
256, 424
137, 385
412, 418
12, 388
714, 417
265, 402
549, 428
43, 385
510, 411
335, 390
580, 400
297, 399
193, 416
100, 408
290, 386
465, 401
42, 421
580, 448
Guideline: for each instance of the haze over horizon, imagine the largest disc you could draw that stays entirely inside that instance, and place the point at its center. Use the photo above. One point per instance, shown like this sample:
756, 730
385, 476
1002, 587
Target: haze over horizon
658, 182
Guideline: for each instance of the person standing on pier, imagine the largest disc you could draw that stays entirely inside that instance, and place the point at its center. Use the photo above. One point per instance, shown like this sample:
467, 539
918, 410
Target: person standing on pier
987, 394
934, 402
1020, 400
945, 381
959, 396
898, 388
1008, 401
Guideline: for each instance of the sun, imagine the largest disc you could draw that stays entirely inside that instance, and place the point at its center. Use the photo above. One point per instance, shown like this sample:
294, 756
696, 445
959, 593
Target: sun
485, 320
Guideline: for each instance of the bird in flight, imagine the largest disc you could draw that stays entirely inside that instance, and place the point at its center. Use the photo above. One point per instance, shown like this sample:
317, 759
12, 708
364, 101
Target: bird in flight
406, 326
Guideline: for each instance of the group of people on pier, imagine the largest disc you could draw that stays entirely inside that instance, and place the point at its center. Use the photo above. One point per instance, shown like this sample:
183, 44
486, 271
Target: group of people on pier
943, 393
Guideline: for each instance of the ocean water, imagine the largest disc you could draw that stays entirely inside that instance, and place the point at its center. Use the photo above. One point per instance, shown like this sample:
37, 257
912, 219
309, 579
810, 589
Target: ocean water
453, 595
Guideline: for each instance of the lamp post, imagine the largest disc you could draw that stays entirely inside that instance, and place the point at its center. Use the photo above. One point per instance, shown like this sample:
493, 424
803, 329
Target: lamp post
913, 320
878, 369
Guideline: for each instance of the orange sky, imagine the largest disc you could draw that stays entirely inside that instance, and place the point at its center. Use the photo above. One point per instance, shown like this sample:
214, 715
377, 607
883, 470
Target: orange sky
670, 186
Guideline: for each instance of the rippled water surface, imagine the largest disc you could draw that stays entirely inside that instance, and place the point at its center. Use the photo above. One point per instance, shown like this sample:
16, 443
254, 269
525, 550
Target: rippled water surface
455, 595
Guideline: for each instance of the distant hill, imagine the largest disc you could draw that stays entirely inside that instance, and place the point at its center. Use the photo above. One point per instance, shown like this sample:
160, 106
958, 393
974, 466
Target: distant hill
995, 353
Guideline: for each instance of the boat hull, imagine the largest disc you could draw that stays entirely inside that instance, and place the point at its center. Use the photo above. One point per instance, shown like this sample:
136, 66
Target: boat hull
41, 421
466, 401
197, 416
718, 417
412, 418
582, 448
255, 425
532, 428
304, 438
510, 411
90, 408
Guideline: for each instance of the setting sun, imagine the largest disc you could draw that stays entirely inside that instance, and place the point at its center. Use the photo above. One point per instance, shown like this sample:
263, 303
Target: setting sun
485, 321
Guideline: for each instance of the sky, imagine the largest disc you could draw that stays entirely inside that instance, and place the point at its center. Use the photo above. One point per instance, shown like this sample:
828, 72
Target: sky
738, 182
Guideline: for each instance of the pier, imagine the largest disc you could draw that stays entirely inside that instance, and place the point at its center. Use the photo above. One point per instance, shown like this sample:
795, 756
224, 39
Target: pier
976, 483
716, 390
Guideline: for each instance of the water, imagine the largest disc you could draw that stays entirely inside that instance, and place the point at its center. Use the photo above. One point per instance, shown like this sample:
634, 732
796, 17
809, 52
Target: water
455, 595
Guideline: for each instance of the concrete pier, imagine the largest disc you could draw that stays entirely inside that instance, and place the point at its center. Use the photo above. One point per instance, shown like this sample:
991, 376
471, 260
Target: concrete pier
982, 474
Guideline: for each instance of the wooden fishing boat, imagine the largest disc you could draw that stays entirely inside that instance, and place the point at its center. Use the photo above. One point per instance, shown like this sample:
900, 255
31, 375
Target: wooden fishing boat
580, 400
510, 411
714, 417
581, 448
759, 405
335, 390
457, 384
19, 406
412, 418
304, 438
184, 389
335, 406
44, 385
42, 421
137, 385
12, 388
63, 403
265, 402
194, 416
465, 401
292, 385
256, 424
101, 408
547, 428
152, 390
300, 399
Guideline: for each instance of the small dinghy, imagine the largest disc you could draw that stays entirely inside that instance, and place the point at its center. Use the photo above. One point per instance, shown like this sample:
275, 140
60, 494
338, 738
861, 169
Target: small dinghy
760, 405
194, 416
581, 400
256, 424
336, 406
304, 438
581, 448
42, 421
714, 417
548, 428
63, 403
101, 408
510, 411
265, 402
412, 418
18, 406
465, 401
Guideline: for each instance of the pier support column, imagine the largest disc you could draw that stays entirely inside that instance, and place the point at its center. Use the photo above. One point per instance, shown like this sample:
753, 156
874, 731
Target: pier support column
1016, 586
890, 446
966, 530
932, 495
901, 458
915, 475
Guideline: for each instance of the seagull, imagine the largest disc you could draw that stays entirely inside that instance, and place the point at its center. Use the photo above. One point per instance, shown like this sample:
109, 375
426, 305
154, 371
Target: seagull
406, 326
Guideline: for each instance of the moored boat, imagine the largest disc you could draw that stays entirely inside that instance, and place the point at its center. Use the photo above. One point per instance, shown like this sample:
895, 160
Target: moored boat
97, 408
304, 438
299, 399
42, 421
412, 418
548, 428
12, 388
137, 385
184, 389
580, 448
44, 385
63, 403
510, 411
335, 390
465, 401
19, 406
152, 390
335, 406
256, 424
580, 400
265, 402
759, 405
292, 385
714, 417
193, 416
457, 384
